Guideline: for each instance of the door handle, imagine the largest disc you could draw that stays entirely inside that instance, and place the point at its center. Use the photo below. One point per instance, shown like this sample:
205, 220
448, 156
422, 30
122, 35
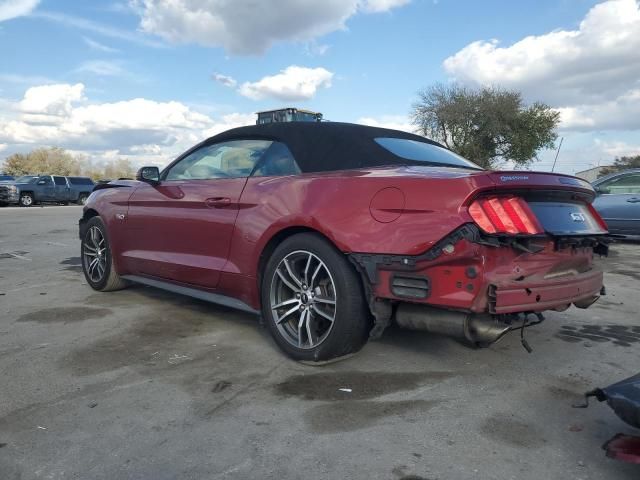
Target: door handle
634, 200
217, 202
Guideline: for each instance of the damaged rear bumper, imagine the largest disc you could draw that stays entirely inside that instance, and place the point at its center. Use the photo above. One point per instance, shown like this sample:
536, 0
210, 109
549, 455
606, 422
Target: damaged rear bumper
582, 290
487, 284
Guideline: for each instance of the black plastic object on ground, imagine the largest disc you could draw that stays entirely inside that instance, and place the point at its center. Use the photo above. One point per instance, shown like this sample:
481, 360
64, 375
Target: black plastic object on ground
623, 397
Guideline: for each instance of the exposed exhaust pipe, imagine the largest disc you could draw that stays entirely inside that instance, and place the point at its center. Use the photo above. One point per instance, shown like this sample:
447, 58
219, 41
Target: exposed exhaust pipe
479, 330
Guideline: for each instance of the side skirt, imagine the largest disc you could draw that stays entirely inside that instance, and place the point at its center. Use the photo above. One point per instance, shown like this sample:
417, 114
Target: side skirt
193, 292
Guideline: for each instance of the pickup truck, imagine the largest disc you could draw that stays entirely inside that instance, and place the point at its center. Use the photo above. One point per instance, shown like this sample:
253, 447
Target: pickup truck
47, 189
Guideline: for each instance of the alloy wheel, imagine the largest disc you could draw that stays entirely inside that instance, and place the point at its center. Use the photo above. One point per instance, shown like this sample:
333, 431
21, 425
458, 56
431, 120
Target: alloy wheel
94, 254
303, 299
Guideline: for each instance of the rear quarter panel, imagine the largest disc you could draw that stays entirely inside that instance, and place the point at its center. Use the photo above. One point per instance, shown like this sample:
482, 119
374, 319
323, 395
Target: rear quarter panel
338, 206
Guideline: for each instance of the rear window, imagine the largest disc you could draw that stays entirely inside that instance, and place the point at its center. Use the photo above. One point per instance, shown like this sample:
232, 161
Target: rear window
80, 181
424, 152
60, 180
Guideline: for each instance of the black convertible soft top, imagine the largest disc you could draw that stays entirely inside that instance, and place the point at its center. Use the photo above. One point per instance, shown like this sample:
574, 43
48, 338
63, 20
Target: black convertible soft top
326, 146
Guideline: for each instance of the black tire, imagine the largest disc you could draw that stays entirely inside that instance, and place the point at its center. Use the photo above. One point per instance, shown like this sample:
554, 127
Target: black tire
26, 200
82, 199
349, 330
109, 280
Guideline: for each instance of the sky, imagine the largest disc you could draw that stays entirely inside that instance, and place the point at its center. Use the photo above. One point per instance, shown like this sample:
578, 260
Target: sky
147, 79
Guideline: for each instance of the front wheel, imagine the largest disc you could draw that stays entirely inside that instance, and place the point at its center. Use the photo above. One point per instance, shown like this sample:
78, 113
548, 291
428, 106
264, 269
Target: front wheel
26, 200
97, 260
82, 199
312, 300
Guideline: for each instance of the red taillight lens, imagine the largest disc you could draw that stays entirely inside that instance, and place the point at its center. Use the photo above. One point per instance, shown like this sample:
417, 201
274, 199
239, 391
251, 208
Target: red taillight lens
506, 214
598, 218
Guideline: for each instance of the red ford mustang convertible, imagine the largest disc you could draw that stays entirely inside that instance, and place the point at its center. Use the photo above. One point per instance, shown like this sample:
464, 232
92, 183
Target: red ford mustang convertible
331, 231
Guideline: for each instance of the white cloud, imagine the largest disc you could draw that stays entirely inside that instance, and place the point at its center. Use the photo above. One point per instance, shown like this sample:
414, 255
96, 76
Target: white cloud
315, 49
249, 27
617, 148
291, 84
376, 6
98, 28
101, 68
140, 129
231, 120
582, 151
16, 8
99, 46
593, 72
621, 113
51, 100
24, 79
225, 80
394, 122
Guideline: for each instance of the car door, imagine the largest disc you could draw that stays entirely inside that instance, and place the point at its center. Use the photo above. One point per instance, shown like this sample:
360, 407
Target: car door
618, 202
180, 229
46, 189
61, 192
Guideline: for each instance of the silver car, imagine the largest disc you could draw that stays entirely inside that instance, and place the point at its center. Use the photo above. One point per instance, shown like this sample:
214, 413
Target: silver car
618, 201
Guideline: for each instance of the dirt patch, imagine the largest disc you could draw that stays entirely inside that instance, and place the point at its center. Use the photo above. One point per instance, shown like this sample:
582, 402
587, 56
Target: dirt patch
74, 264
64, 314
347, 416
153, 339
18, 253
511, 432
362, 385
59, 230
620, 335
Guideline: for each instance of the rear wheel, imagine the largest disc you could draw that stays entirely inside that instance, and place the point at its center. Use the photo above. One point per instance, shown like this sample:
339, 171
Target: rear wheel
312, 300
26, 200
97, 260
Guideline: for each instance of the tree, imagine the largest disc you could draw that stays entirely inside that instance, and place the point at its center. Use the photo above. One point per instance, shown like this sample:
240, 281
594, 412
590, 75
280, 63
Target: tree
120, 168
52, 161
622, 163
56, 161
485, 125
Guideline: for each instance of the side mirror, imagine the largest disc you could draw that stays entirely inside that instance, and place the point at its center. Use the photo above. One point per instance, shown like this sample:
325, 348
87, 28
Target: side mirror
598, 190
42, 182
149, 175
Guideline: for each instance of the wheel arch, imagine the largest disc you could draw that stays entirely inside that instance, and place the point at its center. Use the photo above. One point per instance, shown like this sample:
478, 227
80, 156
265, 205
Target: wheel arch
87, 215
279, 237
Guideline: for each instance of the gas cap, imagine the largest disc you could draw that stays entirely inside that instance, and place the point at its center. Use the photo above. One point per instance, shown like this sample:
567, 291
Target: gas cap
387, 204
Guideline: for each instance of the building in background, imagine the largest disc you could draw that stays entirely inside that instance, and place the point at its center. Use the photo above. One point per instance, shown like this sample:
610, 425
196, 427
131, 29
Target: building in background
591, 174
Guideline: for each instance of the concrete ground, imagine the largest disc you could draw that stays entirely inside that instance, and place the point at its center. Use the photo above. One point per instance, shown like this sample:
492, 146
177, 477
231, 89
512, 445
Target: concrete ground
142, 384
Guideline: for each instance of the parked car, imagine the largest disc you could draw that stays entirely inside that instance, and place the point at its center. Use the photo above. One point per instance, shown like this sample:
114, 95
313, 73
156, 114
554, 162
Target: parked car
618, 201
6, 178
332, 230
79, 189
29, 190
9, 193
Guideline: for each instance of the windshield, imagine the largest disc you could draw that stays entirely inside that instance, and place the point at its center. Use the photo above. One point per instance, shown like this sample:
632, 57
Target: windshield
424, 152
26, 179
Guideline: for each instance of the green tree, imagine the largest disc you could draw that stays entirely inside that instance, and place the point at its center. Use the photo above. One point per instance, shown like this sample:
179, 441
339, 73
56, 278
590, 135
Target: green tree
485, 125
52, 161
56, 161
621, 163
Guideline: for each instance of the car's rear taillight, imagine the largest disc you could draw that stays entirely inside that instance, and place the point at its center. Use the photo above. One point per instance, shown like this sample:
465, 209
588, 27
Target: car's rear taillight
504, 214
594, 213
